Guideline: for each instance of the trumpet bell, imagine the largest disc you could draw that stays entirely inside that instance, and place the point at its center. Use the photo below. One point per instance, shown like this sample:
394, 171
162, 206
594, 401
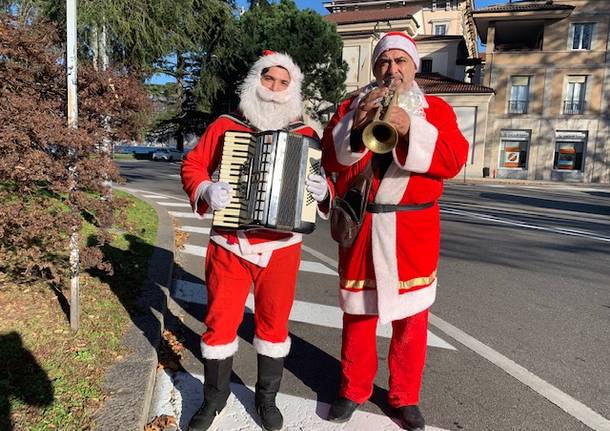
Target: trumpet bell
379, 137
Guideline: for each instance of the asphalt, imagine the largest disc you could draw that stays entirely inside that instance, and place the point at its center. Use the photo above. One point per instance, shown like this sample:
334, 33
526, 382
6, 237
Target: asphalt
130, 383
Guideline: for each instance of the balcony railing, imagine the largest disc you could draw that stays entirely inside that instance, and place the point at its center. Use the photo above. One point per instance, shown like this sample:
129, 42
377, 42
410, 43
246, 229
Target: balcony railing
572, 107
517, 107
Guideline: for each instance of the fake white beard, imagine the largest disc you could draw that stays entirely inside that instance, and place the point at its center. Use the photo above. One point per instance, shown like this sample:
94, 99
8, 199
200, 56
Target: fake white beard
266, 109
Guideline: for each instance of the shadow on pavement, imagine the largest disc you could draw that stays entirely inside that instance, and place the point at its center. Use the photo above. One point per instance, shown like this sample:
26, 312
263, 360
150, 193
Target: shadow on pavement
22, 379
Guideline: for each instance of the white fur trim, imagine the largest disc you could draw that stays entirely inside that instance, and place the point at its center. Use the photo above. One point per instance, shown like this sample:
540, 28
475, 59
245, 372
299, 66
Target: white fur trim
383, 239
393, 40
221, 351
258, 259
267, 246
393, 185
273, 350
270, 115
405, 305
341, 139
422, 142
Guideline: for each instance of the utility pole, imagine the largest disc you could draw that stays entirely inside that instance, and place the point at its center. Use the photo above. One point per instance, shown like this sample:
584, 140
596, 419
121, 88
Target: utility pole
71, 62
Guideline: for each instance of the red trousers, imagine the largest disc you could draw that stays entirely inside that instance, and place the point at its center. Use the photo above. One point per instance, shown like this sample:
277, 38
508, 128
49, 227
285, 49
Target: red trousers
406, 358
229, 278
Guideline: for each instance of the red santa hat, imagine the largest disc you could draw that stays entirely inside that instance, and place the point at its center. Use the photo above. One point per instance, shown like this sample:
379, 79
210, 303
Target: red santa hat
272, 58
396, 40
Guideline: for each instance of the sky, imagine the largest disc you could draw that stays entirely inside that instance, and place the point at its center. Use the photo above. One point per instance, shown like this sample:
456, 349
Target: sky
317, 5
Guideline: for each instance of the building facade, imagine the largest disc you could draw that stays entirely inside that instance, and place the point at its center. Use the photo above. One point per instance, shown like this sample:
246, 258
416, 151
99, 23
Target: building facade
446, 42
549, 63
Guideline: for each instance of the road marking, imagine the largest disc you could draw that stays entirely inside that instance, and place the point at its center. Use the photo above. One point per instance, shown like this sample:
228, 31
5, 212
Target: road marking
173, 204
154, 197
181, 214
181, 394
514, 223
195, 250
303, 312
321, 256
309, 266
173, 175
568, 404
195, 229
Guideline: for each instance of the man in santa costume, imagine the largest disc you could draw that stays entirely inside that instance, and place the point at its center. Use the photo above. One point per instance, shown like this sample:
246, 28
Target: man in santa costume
389, 273
270, 99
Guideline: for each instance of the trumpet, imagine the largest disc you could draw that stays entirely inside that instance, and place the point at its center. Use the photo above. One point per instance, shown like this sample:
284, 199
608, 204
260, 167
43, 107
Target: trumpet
379, 136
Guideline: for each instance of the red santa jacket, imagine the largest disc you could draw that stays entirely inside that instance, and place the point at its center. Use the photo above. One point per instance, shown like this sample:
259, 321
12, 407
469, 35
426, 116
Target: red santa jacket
254, 245
390, 270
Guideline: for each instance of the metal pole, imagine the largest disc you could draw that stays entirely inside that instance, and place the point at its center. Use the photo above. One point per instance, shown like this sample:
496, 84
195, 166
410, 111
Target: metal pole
71, 61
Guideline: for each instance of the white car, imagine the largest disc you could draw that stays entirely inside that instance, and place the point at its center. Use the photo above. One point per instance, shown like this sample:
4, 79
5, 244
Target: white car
167, 154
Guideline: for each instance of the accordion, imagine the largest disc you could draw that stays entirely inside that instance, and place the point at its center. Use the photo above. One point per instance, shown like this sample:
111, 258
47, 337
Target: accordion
267, 172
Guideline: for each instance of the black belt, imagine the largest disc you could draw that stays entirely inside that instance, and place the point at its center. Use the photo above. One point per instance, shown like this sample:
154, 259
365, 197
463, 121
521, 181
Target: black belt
390, 208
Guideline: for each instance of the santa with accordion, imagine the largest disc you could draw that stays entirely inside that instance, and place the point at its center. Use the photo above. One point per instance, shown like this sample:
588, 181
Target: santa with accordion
270, 99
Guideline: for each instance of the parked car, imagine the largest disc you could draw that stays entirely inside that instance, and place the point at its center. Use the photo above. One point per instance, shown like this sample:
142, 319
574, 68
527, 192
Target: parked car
167, 154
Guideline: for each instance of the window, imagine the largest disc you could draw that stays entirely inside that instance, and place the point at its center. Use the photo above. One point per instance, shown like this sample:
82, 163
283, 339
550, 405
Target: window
519, 94
426, 65
514, 145
440, 29
574, 102
582, 34
569, 149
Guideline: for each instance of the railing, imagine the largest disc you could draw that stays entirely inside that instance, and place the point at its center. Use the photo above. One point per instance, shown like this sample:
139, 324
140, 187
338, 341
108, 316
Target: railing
573, 107
517, 107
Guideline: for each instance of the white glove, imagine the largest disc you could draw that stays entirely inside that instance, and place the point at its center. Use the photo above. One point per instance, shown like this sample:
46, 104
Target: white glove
218, 195
317, 186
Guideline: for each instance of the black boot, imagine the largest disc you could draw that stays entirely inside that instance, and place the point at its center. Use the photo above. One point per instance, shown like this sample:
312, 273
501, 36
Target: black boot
411, 418
216, 391
267, 385
341, 410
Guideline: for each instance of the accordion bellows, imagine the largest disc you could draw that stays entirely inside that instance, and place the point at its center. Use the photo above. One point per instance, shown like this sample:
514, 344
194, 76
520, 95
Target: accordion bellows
267, 172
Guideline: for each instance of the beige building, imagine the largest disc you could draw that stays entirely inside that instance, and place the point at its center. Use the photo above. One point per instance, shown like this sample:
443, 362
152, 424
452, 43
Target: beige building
549, 63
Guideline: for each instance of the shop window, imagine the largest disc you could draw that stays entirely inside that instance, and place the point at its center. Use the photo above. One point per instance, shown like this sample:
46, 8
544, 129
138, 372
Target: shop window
582, 35
519, 94
569, 150
514, 146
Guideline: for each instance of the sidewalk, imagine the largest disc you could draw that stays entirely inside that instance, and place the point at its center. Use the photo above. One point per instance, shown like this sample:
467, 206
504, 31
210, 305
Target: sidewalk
532, 183
130, 383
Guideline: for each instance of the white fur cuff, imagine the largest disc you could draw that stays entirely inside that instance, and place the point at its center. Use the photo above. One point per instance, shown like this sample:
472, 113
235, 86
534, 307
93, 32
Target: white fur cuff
422, 142
341, 139
273, 350
222, 351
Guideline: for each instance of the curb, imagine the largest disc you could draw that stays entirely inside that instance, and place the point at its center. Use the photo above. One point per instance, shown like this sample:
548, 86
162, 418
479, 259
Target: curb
130, 383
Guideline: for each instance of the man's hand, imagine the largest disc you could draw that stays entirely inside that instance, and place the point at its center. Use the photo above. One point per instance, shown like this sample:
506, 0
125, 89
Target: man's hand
317, 186
367, 108
218, 195
400, 120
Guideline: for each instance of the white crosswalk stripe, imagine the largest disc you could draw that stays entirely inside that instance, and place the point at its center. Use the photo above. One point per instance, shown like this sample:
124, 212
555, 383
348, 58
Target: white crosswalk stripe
182, 214
304, 312
181, 394
154, 197
195, 229
173, 204
195, 250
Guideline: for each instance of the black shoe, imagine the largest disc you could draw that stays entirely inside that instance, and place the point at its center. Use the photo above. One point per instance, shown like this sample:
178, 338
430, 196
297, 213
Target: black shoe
411, 418
342, 410
216, 390
204, 418
271, 417
267, 386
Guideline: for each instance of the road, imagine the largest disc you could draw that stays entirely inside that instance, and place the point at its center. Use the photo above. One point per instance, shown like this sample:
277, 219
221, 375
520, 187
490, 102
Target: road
519, 333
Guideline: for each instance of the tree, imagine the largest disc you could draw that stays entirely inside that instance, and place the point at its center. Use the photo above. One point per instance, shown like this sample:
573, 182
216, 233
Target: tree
312, 42
37, 211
